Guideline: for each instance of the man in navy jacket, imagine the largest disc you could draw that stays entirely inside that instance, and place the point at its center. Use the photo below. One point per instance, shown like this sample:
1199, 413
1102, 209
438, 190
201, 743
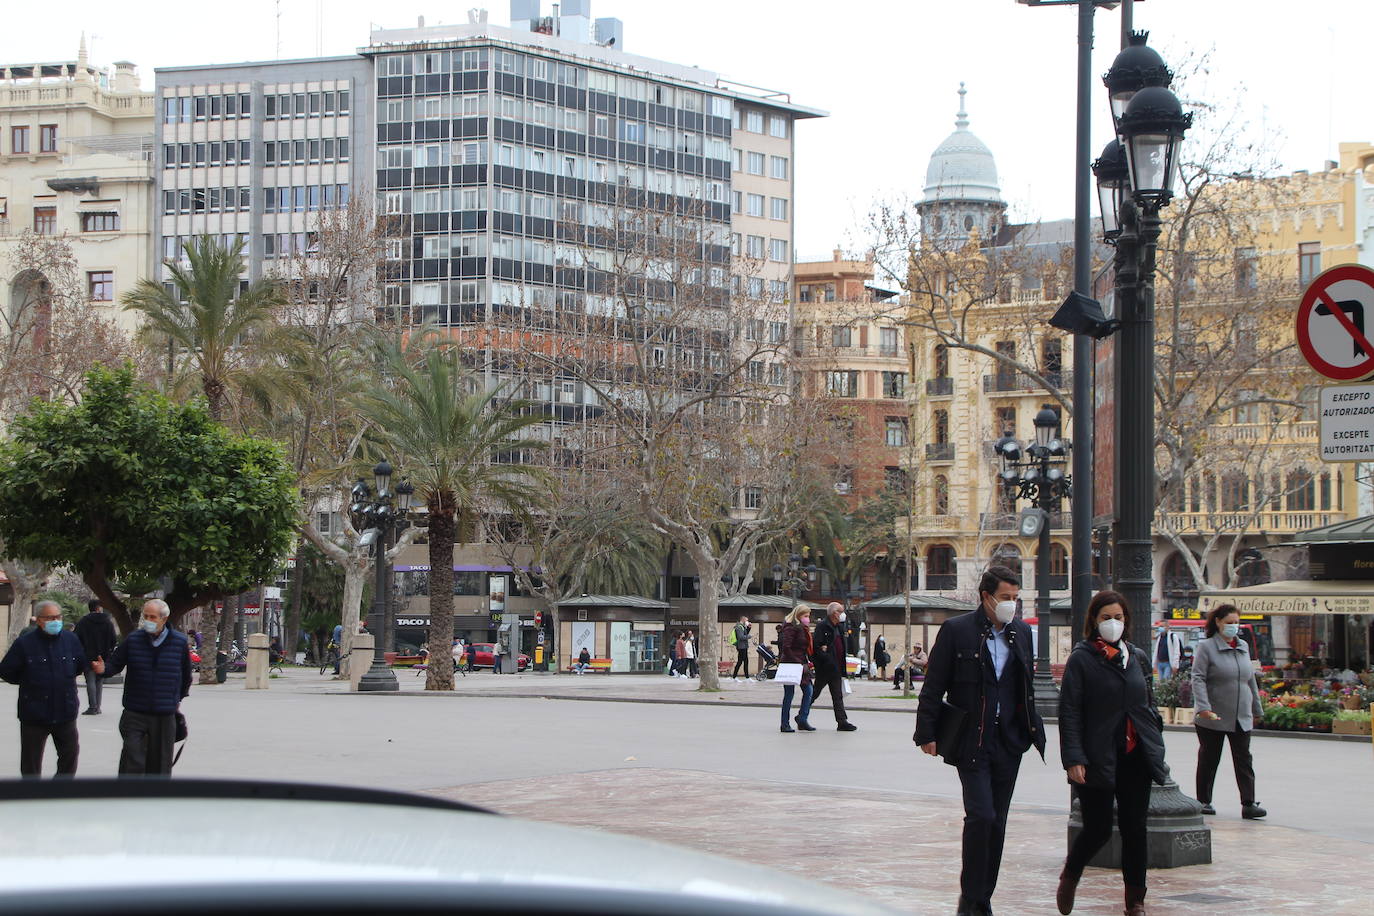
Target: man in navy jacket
158, 660
45, 663
981, 664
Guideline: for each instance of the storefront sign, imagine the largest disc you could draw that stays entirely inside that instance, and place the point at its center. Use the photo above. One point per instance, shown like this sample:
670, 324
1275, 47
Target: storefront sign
412, 621
648, 626
1346, 421
1315, 603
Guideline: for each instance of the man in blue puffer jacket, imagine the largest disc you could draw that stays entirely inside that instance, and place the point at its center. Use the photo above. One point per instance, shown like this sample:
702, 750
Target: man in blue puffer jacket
158, 659
45, 663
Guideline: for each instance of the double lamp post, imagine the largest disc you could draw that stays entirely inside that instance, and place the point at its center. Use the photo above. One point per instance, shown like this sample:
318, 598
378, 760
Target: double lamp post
380, 514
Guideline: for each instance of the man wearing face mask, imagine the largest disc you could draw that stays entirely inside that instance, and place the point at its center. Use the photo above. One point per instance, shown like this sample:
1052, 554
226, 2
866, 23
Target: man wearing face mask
981, 666
45, 663
158, 679
828, 658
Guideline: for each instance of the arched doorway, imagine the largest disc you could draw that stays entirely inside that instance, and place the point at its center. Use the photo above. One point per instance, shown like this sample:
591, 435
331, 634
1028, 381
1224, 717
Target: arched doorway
1179, 589
941, 573
30, 309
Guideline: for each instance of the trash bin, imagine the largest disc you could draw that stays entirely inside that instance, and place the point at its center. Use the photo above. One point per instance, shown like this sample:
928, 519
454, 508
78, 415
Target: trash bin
221, 666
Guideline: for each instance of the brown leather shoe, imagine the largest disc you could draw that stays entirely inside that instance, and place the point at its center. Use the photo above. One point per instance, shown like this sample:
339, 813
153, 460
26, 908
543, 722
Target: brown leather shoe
1068, 886
1135, 901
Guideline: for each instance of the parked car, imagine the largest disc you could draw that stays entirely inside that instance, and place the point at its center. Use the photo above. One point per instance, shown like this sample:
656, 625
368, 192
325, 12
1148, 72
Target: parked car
483, 659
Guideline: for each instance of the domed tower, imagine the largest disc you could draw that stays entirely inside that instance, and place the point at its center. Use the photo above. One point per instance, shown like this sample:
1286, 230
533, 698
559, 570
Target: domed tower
961, 192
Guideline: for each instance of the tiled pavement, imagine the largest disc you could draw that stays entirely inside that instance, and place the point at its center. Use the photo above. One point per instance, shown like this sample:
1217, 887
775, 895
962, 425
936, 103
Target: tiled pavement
905, 852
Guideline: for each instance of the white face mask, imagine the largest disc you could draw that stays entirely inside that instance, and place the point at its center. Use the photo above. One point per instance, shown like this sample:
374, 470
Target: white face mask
842, 618
1005, 611
1111, 629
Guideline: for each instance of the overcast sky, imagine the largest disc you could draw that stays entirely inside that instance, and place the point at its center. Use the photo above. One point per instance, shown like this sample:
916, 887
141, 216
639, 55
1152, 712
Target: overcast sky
887, 71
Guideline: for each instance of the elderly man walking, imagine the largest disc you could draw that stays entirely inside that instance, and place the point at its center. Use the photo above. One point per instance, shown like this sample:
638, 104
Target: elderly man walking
45, 662
158, 679
828, 658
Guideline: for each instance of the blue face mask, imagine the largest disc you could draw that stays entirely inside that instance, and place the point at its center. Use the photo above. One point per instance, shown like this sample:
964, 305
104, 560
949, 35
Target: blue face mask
149, 626
52, 627
1230, 630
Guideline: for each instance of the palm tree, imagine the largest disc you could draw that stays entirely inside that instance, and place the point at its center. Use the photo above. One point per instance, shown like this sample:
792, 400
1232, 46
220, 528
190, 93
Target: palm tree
205, 312
450, 437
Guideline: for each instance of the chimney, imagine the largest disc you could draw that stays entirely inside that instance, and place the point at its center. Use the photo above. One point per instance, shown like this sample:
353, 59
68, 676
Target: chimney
126, 77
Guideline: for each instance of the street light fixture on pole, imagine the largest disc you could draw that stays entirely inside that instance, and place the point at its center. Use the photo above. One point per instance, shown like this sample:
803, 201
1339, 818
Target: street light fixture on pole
380, 515
1036, 473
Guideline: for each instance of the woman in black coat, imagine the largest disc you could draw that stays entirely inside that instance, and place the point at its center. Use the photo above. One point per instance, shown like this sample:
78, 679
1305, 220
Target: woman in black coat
1112, 745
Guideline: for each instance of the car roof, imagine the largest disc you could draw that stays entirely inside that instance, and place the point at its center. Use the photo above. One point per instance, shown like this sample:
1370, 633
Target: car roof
163, 846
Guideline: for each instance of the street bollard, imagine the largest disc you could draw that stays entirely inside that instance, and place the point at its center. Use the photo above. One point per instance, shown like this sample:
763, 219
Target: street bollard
257, 661
360, 658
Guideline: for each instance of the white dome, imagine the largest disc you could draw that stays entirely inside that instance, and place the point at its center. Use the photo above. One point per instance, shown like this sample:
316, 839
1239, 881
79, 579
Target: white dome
962, 167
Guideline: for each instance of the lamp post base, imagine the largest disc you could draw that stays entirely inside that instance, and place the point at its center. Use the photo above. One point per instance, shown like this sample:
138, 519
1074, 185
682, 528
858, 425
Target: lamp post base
379, 678
1046, 696
1176, 833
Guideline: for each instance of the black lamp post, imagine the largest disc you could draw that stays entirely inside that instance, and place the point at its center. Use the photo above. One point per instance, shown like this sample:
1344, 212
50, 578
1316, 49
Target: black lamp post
1035, 472
380, 515
1135, 179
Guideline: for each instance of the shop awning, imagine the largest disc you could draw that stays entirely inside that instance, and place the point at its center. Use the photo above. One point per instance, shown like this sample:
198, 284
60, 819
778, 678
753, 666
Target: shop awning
921, 602
1354, 531
1295, 596
626, 601
736, 601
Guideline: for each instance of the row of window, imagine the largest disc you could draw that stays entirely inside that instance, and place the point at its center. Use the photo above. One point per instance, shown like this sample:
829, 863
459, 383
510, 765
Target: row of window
173, 246
752, 120
45, 221
298, 152
753, 205
842, 335
211, 152
1234, 491
185, 109
304, 198
753, 247
753, 163
207, 200
844, 383
21, 142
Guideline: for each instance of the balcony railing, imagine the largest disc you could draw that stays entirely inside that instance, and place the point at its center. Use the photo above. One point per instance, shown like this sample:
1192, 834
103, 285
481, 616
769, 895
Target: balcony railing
1275, 521
1019, 381
939, 387
940, 451
1304, 431
1006, 521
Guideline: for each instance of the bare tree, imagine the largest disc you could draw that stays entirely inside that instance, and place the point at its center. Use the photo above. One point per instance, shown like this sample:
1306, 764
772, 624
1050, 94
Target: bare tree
692, 385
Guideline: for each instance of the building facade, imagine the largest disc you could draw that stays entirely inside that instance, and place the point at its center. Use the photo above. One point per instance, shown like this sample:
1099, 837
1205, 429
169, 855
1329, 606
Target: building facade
75, 162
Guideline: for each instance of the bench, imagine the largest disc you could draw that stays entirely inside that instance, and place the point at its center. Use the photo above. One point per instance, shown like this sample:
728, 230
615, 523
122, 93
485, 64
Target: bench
596, 665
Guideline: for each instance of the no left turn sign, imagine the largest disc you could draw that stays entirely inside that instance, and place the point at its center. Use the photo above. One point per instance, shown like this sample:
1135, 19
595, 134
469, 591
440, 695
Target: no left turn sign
1336, 321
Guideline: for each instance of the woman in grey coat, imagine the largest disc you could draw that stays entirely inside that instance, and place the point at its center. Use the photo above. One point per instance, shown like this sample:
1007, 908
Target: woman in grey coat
1227, 703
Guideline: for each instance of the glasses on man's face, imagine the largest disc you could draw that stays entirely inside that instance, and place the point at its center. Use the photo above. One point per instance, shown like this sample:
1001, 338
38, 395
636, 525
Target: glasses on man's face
46, 619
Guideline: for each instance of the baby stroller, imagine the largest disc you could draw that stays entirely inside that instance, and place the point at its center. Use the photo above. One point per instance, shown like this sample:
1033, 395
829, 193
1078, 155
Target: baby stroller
768, 663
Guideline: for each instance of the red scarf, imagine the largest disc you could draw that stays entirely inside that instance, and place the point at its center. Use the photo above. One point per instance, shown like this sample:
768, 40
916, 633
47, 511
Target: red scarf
1112, 653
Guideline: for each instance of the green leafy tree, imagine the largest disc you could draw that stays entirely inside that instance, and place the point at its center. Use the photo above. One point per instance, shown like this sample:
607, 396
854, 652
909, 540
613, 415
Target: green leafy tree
463, 449
126, 485
314, 599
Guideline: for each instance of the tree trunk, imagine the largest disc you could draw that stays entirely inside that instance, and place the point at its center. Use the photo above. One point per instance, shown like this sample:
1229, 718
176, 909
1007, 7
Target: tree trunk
228, 616
209, 645
291, 617
708, 627
27, 580
355, 577
441, 537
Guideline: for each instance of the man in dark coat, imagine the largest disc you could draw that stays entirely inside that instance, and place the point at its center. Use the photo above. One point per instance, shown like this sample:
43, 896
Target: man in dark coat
45, 663
98, 638
828, 658
981, 664
158, 660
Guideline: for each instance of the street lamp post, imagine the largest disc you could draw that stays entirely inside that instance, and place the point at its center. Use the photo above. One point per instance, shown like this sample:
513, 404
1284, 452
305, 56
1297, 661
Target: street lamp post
1036, 473
380, 513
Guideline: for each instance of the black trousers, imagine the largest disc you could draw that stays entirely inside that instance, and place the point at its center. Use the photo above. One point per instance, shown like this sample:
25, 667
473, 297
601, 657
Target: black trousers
33, 740
833, 680
1132, 797
1209, 742
741, 658
94, 684
148, 741
988, 785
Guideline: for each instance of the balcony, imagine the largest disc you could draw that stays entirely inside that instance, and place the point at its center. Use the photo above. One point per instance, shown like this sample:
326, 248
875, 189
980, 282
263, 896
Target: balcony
940, 387
1270, 521
942, 582
1006, 521
1017, 382
939, 451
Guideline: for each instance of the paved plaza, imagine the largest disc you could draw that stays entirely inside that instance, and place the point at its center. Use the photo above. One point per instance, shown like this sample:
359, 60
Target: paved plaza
864, 811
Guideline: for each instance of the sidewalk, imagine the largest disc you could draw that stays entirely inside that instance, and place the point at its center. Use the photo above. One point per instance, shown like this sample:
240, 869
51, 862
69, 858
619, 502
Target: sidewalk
867, 696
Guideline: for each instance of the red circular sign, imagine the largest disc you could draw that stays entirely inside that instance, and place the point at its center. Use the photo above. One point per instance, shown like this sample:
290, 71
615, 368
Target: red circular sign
1336, 322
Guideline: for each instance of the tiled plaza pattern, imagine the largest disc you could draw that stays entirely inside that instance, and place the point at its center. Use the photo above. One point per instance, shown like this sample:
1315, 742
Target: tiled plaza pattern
905, 852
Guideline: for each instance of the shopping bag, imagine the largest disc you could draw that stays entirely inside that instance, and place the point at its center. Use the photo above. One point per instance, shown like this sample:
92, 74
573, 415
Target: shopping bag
847, 689
788, 674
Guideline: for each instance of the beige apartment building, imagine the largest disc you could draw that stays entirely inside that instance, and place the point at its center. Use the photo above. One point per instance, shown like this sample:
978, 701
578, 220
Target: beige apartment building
76, 160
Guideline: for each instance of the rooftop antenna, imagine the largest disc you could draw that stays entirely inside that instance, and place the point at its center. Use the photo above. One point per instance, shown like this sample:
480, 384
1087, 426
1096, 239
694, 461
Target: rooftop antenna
319, 28
278, 29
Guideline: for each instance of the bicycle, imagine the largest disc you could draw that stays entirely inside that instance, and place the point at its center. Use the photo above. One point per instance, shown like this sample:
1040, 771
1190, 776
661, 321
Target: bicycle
331, 657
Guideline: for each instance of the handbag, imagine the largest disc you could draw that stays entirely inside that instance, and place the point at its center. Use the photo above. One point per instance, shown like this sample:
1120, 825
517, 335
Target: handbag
179, 734
788, 674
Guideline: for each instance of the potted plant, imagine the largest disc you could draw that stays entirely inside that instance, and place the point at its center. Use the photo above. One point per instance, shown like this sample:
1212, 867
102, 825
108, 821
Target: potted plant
1166, 698
1183, 714
1352, 722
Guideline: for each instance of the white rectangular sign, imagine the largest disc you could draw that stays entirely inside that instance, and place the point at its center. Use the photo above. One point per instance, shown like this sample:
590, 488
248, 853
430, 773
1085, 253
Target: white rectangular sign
1347, 423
